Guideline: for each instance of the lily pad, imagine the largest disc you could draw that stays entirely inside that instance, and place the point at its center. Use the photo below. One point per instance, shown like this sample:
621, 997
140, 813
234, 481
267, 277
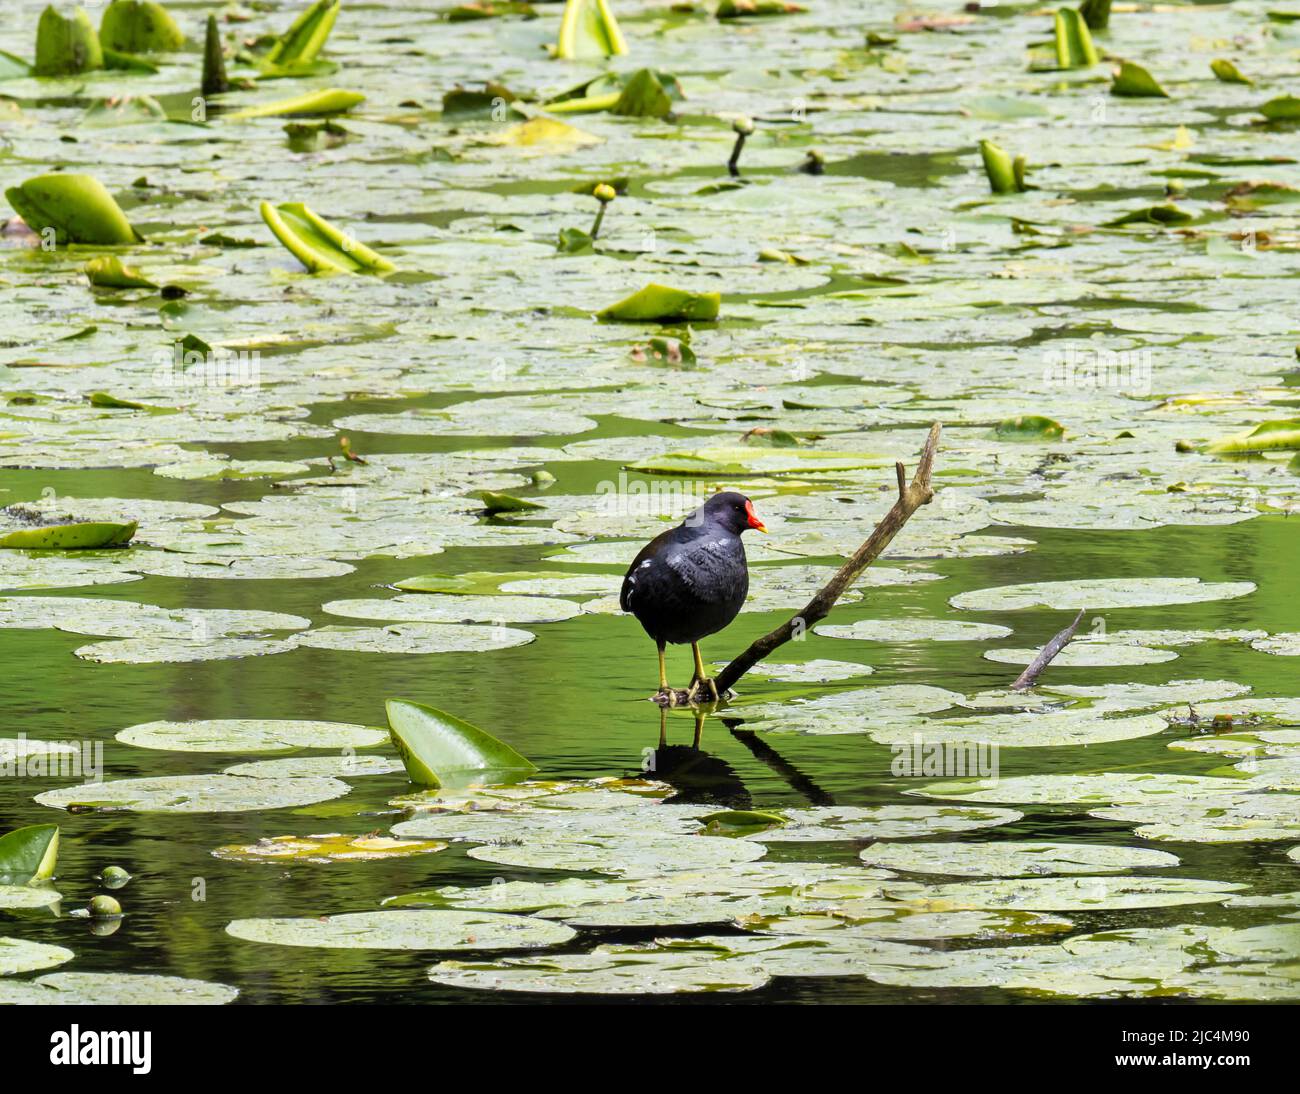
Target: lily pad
912, 630
406, 929
18, 955
1101, 593
81, 989
331, 847
193, 794
1013, 859
249, 735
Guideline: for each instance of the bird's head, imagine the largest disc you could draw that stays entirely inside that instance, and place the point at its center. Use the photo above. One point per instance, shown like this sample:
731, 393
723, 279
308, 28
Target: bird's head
730, 510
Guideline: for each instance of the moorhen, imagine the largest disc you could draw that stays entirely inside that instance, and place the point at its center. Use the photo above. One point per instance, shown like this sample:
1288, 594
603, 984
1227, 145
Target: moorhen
690, 581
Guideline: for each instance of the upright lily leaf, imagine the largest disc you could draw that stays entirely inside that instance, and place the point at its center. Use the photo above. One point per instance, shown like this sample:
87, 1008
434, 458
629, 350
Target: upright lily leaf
588, 29
1135, 82
494, 502
29, 854
643, 97
661, 304
139, 26
1096, 13
66, 46
1006, 176
1229, 73
306, 35
317, 244
78, 207
328, 101
215, 80
439, 749
1074, 48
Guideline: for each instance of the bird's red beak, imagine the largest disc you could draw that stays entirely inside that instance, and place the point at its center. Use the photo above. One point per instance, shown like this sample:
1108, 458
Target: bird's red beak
754, 522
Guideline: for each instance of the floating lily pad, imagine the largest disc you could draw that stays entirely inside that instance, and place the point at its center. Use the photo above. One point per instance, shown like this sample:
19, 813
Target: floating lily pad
1085, 655
22, 897
331, 847
1101, 593
160, 651
824, 823
114, 989
193, 794
913, 630
435, 608
18, 955
623, 856
853, 711
406, 929
1013, 859
414, 638
249, 735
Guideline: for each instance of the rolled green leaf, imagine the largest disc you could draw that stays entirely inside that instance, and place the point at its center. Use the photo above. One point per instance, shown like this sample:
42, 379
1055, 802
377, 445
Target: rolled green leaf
139, 26
1280, 434
1228, 72
80, 536
439, 749
65, 47
1074, 48
1006, 176
1096, 13
77, 207
643, 97
328, 101
317, 244
1135, 82
588, 29
661, 304
109, 271
743, 9
306, 35
215, 80
29, 853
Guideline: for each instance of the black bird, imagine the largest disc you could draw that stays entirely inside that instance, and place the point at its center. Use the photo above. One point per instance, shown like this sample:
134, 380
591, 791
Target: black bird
691, 581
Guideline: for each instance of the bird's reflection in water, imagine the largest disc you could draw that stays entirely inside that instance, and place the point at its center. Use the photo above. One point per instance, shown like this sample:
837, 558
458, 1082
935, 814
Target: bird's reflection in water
698, 778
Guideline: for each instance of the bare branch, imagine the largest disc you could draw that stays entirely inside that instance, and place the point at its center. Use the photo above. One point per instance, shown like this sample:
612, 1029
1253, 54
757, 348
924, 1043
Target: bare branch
1046, 655
911, 496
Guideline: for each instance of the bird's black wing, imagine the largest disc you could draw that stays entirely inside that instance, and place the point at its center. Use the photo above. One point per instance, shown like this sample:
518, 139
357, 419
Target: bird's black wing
644, 555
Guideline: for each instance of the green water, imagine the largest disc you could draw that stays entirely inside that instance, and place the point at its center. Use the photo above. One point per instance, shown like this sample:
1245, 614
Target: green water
912, 296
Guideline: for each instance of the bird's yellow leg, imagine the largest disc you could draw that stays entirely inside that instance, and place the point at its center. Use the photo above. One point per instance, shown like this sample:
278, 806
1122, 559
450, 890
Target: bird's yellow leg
664, 689
701, 676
